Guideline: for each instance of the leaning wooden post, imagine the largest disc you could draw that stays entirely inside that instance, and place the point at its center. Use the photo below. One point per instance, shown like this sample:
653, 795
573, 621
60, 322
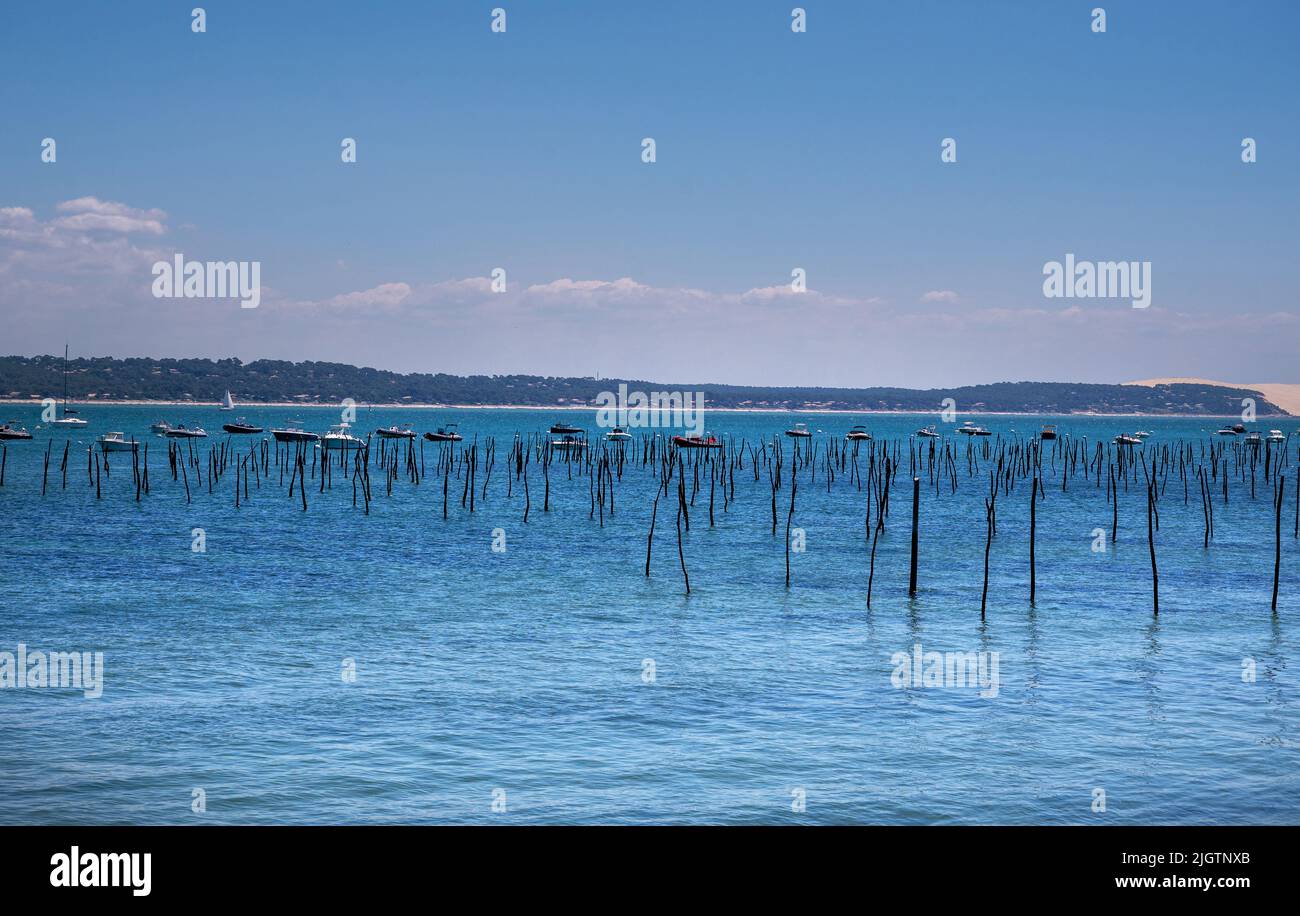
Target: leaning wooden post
916, 517
650, 538
872, 574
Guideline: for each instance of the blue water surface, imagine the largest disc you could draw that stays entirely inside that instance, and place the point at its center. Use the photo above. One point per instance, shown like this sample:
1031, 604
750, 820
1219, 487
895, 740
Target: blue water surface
515, 686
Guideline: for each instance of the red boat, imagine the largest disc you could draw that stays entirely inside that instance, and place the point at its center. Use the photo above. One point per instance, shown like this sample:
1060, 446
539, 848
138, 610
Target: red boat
696, 442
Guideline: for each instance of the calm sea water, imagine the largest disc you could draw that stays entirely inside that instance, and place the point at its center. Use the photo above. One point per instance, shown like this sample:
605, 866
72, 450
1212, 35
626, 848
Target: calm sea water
520, 676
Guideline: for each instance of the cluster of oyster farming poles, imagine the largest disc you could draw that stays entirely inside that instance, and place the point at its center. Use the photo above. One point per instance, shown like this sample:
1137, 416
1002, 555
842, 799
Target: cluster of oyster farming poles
685, 479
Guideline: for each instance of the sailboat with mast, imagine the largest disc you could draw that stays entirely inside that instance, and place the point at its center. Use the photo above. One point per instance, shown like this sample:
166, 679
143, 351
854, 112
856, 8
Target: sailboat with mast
227, 403
66, 420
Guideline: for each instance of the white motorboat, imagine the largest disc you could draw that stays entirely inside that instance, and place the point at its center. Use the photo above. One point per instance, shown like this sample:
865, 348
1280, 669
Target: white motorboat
858, 434
117, 442
339, 436
799, 431
1275, 435
618, 434
569, 443
160, 427
927, 432
182, 431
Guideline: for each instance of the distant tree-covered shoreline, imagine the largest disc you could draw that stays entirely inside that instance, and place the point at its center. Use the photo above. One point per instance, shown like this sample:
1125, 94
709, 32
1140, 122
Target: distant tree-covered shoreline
105, 379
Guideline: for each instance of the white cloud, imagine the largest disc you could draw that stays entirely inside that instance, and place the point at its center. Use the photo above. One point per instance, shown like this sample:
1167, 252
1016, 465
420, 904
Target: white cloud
92, 214
87, 268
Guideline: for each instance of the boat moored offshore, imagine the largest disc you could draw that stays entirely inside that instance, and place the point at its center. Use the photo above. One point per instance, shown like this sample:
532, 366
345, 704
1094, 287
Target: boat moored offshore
117, 442
340, 436
294, 433
705, 441
569, 443
448, 433
241, 427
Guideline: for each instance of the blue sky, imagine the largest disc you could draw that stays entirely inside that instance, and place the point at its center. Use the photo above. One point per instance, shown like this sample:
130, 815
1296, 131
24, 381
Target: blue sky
775, 150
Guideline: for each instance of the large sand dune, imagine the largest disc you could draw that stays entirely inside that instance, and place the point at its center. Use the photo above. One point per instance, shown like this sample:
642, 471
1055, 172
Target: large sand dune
1285, 396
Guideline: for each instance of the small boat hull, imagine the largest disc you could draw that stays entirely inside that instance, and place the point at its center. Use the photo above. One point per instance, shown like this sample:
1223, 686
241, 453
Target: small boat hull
293, 435
241, 429
696, 442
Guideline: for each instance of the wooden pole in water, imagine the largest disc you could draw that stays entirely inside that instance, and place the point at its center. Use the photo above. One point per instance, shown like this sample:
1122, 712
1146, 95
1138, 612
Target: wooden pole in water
916, 517
794, 486
1033, 526
1277, 534
1114, 507
1151, 544
872, 574
988, 546
681, 508
650, 538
